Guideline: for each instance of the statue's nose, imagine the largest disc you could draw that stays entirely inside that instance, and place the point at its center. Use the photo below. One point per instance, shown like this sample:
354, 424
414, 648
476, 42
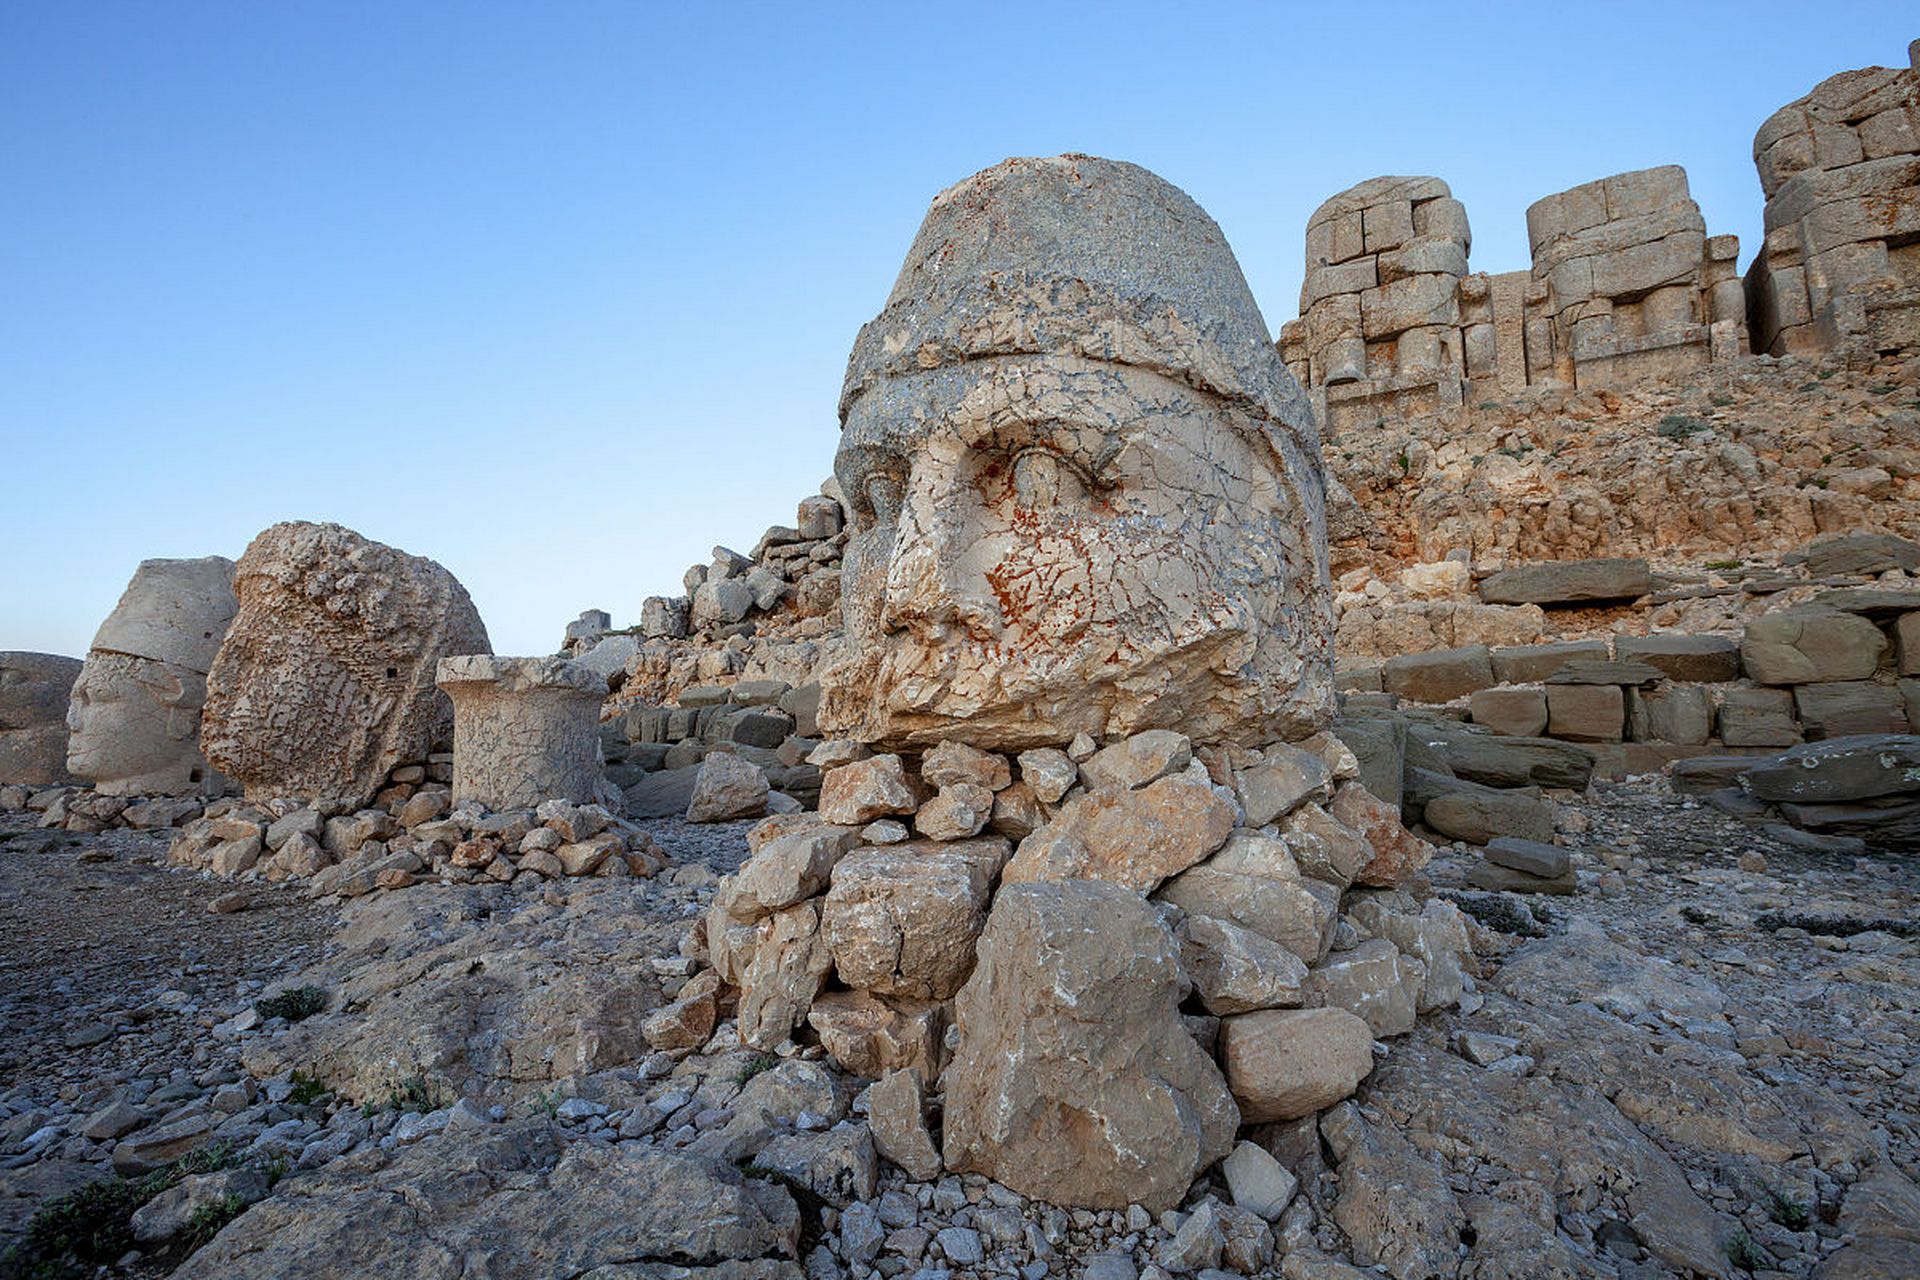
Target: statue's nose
937, 576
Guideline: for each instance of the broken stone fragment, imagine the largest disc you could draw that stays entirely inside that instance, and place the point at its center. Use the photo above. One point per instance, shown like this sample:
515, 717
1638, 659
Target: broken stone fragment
859, 791
897, 1114
1075, 1080
1297, 914
960, 810
782, 971
785, 871
952, 762
901, 920
1284, 778
1373, 980
1137, 760
1286, 1063
871, 1035
1235, 970
1133, 838
727, 787
1397, 852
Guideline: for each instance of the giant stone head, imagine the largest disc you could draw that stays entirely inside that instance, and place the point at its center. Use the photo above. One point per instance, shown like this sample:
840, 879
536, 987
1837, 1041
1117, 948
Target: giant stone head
135, 713
326, 679
1086, 492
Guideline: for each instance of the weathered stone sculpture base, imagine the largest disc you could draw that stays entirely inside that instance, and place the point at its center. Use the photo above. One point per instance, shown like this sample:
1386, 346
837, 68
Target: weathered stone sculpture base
524, 730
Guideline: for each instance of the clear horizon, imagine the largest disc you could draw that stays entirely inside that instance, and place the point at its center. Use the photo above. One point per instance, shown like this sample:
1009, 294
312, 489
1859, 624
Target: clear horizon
560, 297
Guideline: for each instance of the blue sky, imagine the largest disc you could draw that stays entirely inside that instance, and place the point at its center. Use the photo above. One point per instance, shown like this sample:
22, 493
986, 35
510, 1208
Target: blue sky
560, 294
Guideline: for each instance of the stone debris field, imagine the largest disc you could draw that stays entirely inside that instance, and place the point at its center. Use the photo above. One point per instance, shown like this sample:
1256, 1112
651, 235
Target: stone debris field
1434, 794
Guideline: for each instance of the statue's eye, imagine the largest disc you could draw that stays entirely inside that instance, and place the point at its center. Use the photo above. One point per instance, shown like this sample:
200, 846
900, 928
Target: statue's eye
883, 490
1044, 481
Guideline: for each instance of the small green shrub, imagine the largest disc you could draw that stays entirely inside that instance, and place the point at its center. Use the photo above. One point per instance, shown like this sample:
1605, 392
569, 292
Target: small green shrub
1792, 1214
1678, 426
1719, 399
416, 1093
1723, 564
306, 1090
207, 1220
1743, 1253
755, 1065
91, 1226
293, 1004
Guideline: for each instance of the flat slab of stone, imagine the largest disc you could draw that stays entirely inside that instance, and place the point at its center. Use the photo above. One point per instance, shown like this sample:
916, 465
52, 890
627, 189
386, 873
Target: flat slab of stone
1871, 602
1708, 659
1861, 553
1439, 676
1518, 712
1568, 582
1840, 770
1499, 879
1704, 774
1532, 663
1499, 761
1483, 813
664, 794
1531, 856
1849, 707
1616, 671
1811, 646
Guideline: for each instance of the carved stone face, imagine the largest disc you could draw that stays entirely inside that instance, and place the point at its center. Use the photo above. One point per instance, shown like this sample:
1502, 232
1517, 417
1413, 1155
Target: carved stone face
1045, 543
135, 714
133, 726
33, 728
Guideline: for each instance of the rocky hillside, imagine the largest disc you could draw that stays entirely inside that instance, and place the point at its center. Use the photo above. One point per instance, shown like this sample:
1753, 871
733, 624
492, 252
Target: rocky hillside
1756, 455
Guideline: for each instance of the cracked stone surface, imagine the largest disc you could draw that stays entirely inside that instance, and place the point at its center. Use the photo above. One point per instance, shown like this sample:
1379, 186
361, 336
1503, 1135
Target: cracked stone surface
525, 730
1086, 494
325, 680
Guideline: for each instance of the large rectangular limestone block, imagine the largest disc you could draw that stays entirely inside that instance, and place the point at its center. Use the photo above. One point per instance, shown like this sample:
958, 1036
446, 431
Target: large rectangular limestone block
1644, 191
1676, 713
1586, 712
1445, 217
1847, 707
1710, 659
1758, 718
1439, 676
1520, 713
1387, 226
1345, 277
1671, 260
1423, 255
1564, 214
1567, 582
1811, 646
1532, 663
1413, 302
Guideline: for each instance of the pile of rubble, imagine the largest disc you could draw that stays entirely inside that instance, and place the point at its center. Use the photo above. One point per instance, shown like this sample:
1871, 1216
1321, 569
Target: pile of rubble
1112, 958
349, 852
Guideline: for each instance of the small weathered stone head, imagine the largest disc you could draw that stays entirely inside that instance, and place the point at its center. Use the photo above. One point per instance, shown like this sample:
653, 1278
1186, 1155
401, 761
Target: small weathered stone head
135, 714
1086, 493
33, 706
326, 679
